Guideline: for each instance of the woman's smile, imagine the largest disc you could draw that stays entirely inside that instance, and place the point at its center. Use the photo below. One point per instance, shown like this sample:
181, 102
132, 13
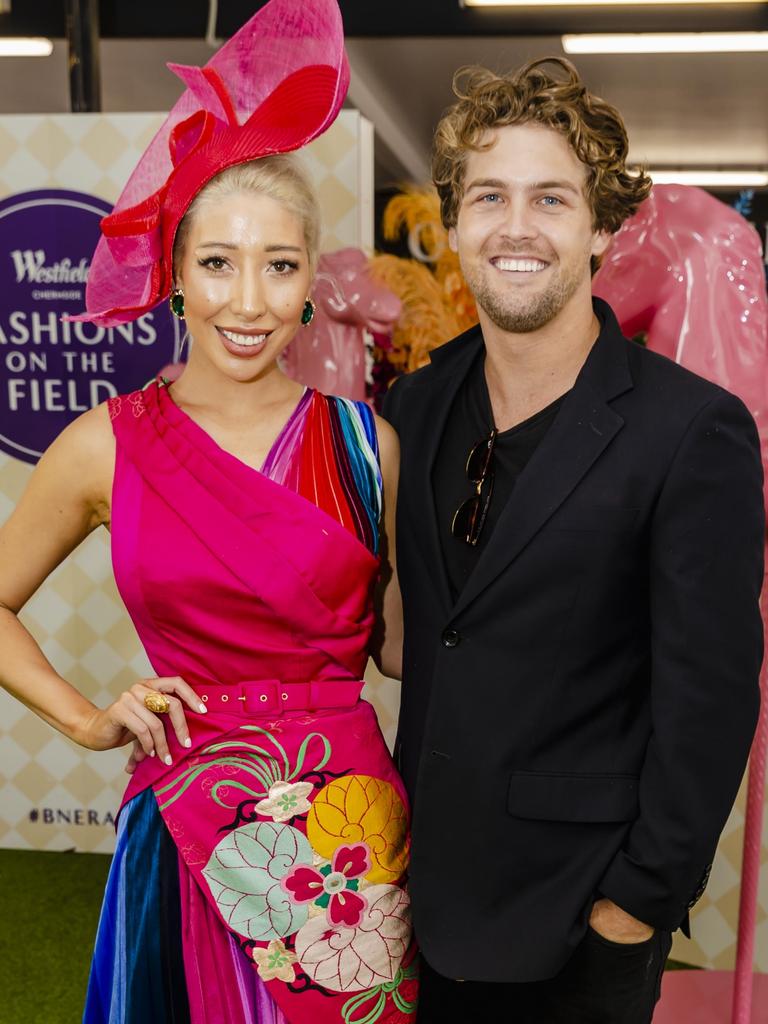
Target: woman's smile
243, 343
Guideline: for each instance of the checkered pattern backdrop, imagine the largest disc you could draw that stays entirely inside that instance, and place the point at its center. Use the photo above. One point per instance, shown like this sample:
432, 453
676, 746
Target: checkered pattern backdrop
53, 794
56, 796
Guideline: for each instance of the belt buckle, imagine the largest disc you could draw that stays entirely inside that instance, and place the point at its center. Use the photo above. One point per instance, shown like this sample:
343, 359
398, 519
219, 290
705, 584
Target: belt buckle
261, 696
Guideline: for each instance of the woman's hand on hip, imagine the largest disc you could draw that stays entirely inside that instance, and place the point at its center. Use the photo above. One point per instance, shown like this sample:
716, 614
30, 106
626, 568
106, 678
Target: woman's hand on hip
128, 718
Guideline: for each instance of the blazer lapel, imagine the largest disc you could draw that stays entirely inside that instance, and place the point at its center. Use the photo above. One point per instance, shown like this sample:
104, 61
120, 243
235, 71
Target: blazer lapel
583, 429
427, 420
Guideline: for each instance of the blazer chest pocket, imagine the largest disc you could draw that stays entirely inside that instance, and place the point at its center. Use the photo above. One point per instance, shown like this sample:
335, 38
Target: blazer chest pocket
550, 796
599, 520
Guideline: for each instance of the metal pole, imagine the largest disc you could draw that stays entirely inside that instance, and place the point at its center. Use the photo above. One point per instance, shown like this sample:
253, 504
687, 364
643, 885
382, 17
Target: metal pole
84, 69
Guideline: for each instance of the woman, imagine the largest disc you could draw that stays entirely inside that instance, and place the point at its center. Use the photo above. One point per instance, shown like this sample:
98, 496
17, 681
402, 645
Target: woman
262, 843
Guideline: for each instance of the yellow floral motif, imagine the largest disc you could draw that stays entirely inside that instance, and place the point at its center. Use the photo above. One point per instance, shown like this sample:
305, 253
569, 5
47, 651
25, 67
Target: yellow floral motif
362, 809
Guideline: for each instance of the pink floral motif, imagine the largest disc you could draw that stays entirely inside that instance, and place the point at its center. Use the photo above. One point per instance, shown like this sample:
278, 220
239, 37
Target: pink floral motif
175, 827
137, 403
334, 886
114, 405
194, 853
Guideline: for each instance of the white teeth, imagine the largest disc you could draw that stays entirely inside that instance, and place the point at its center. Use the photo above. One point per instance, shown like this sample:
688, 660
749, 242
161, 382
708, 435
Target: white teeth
520, 266
246, 340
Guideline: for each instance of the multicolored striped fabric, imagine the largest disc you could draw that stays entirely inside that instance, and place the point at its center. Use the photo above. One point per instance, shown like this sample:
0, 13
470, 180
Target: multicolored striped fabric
328, 452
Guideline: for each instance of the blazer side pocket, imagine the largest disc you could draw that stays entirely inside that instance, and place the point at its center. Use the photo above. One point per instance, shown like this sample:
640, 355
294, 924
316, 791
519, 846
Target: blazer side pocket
551, 796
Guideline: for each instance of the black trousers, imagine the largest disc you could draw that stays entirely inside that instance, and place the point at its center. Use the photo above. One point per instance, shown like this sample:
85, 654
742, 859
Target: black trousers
603, 983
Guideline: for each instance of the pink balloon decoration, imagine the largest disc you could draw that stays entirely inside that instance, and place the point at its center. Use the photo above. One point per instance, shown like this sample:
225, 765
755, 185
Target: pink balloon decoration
330, 354
688, 270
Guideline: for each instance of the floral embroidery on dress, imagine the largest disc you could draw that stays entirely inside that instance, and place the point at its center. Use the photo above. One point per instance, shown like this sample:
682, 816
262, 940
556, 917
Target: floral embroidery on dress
275, 962
333, 886
360, 808
244, 873
345, 959
266, 766
367, 1007
136, 399
285, 800
114, 406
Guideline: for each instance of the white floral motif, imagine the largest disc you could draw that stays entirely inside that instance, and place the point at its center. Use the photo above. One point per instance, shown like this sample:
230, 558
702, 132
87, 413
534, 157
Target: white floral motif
285, 800
345, 959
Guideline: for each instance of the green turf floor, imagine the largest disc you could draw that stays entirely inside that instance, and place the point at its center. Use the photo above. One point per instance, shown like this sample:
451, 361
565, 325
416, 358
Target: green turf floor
49, 908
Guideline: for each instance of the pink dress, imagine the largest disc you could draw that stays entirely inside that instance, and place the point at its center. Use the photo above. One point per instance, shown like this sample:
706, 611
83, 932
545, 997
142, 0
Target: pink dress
261, 877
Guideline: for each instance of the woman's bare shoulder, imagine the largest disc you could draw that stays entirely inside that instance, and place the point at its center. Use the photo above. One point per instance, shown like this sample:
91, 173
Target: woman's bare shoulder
83, 457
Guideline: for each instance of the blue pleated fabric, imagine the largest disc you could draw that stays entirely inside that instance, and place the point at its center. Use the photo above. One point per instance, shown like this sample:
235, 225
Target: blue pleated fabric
158, 934
129, 980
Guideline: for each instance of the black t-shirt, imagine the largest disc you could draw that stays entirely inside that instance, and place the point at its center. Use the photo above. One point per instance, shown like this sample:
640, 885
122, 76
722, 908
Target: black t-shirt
470, 420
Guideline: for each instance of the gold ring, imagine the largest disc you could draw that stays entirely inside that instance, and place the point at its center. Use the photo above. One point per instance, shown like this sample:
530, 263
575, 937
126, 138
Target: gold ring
157, 702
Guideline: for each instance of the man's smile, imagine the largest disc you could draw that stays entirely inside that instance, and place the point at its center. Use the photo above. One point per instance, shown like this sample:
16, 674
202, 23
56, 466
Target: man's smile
518, 264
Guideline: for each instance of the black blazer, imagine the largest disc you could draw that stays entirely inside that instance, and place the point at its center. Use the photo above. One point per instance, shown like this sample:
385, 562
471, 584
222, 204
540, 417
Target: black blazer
577, 723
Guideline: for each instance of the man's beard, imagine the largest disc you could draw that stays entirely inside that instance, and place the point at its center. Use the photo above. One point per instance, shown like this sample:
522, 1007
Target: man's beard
527, 314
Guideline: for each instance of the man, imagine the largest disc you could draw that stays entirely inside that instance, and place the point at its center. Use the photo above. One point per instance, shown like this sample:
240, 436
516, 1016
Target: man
582, 633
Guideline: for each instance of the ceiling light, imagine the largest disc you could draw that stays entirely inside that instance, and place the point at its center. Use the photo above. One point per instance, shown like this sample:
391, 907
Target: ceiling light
605, 3
711, 179
668, 42
18, 46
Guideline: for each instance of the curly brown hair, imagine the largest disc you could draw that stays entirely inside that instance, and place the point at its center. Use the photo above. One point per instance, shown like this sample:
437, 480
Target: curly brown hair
594, 129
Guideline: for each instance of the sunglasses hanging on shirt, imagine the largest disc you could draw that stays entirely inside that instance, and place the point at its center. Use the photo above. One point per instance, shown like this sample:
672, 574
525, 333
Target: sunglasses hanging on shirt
470, 516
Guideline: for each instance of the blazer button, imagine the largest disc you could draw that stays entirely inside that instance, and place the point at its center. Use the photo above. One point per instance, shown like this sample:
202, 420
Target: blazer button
451, 638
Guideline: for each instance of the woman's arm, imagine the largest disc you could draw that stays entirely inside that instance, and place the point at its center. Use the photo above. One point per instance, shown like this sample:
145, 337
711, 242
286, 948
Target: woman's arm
68, 496
387, 649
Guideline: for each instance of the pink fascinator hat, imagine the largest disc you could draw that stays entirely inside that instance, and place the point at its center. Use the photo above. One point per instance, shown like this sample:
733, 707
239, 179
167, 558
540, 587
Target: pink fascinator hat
278, 83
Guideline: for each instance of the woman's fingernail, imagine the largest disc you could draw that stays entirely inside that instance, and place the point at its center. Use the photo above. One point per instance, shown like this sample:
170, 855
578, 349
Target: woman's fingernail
168, 759
203, 709
151, 753
187, 742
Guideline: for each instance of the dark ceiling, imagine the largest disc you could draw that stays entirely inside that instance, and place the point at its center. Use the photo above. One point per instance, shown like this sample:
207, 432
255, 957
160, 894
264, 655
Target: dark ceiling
370, 18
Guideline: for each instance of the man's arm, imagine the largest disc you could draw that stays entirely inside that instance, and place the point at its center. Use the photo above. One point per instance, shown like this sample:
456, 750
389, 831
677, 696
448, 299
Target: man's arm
391, 408
705, 576
387, 638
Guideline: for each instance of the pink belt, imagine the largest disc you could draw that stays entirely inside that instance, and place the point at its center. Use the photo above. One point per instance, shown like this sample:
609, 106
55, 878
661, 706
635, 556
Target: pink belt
270, 696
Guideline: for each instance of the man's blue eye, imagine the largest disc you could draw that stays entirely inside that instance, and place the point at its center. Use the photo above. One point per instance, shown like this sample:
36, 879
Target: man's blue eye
490, 195
551, 200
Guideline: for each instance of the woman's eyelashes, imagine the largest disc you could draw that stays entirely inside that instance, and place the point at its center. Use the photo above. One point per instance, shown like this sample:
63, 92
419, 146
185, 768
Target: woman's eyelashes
212, 262
283, 267
218, 263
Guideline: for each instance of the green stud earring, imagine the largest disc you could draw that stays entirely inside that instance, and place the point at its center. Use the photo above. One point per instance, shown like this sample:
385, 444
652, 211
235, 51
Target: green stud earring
176, 302
308, 312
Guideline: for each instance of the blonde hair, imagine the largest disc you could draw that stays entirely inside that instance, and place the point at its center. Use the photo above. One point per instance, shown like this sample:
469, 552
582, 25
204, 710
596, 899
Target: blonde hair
280, 177
593, 128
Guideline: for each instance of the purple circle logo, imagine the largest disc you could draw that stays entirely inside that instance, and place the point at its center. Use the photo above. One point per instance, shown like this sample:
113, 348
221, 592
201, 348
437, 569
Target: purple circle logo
52, 370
